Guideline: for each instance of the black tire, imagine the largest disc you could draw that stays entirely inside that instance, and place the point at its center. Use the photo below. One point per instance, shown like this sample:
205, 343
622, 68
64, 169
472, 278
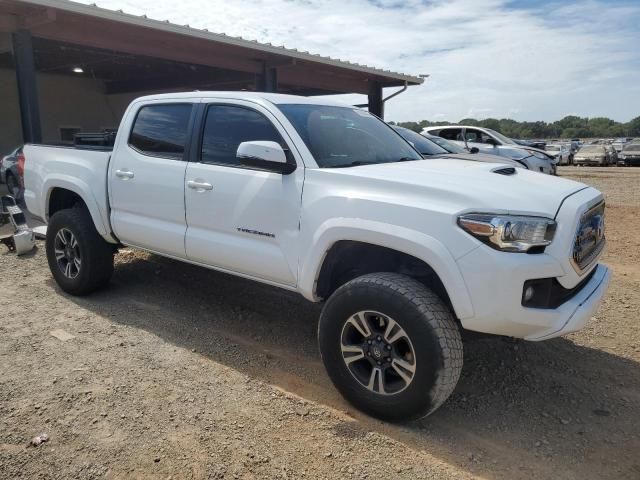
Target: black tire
96, 255
429, 325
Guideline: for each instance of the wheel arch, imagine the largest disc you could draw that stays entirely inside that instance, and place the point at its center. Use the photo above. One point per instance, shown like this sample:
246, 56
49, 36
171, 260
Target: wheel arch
415, 253
66, 194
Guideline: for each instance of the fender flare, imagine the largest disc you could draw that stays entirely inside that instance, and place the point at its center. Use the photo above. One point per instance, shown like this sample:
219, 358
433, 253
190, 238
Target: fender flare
411, 242
82, 189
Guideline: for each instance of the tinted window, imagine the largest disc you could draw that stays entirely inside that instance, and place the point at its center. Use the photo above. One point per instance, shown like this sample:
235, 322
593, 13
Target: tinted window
161, 130
448, 146
228, 126
451, 134
420, 143
345, 137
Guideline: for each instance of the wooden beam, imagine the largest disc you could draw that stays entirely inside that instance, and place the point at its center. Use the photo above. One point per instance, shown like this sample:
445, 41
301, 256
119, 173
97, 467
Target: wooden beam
104, 34
313, 77
173, 82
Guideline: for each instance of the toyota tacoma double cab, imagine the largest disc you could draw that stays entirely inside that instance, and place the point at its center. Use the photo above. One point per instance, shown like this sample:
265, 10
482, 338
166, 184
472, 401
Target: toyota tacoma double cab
327, 200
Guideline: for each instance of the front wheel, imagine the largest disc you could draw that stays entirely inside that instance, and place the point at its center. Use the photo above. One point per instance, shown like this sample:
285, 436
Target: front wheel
79, 258
390, 346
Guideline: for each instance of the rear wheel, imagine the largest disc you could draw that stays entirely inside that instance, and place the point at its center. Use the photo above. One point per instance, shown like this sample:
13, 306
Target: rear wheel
390, 346
79, 258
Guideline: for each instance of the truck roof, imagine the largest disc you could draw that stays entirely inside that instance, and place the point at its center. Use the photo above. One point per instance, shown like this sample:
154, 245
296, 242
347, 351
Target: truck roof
274, 98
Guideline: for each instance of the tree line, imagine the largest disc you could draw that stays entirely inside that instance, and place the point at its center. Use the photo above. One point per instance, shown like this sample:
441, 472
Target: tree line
569, 127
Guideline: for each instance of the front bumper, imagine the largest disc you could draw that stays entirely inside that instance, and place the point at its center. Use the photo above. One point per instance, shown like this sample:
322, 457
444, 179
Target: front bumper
574, 314
588, 161
496, 284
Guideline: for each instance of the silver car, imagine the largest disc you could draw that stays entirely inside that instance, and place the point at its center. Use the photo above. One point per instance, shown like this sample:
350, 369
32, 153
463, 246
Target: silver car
592, 155
494, 143
431, 147
9, 172
561, 151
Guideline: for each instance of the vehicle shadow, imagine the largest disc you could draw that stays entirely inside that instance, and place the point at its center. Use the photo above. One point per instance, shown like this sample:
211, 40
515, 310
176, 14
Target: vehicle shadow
521, 409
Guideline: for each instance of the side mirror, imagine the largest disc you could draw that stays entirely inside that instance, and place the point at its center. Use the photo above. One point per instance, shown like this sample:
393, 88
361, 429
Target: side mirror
474, 150
491, 141
265, 155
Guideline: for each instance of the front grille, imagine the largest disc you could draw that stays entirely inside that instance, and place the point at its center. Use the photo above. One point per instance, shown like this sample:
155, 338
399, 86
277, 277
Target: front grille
590, 238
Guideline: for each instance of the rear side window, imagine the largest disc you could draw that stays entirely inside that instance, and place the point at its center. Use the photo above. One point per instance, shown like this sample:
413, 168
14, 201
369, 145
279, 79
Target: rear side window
454, 134
227, 126
161, 130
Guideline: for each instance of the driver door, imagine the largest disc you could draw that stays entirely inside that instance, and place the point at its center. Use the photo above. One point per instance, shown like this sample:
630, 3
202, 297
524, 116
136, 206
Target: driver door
241, 219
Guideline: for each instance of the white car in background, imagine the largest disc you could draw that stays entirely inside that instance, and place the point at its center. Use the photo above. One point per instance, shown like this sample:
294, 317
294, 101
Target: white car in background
494, 143
562, 153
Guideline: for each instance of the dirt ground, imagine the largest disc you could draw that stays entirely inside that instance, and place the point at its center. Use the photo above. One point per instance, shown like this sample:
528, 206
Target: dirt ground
179, 372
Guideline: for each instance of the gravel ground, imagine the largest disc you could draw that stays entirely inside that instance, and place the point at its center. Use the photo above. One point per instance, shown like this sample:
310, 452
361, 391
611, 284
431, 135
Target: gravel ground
179, 372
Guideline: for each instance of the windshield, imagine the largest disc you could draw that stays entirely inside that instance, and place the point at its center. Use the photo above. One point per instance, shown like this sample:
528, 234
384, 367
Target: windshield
345, 137
420, 143
502, 138
447, 145
634, 147
592, 149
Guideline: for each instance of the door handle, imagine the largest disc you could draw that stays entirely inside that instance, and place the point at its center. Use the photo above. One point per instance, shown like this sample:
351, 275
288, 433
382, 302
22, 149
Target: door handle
200, 186
124, 174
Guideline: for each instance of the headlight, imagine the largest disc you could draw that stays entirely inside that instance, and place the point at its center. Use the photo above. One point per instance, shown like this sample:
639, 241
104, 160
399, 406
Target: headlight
509, 233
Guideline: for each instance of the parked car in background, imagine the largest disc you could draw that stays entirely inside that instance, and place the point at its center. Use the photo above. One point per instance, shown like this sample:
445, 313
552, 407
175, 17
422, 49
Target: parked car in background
612, 154
11, 172
619, 144
429, 149
494, 143
561, 152
630, 155
591, 155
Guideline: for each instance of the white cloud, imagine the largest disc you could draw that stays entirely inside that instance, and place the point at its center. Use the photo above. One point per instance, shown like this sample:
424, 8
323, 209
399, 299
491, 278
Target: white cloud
485, 57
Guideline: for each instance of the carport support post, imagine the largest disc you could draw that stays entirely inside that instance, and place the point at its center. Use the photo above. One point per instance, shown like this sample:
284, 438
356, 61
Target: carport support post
376, 105
27, 88
268, 81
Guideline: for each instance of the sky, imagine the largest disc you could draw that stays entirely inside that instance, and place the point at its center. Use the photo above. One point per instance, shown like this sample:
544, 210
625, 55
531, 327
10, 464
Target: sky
521, 59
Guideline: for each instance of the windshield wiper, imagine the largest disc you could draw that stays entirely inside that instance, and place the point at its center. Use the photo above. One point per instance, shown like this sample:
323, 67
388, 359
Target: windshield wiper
408, 159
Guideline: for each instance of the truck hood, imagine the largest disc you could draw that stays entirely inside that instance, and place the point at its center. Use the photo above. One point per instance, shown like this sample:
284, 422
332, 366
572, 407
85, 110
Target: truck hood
457, 186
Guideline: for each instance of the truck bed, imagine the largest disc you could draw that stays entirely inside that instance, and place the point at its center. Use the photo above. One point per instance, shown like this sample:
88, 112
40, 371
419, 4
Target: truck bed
79, 169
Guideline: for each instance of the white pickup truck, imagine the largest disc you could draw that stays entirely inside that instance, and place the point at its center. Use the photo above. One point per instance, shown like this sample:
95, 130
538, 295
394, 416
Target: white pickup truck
327, 200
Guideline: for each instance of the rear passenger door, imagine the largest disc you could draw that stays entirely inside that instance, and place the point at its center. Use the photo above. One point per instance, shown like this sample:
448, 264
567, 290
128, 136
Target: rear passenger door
241, 219
146, 177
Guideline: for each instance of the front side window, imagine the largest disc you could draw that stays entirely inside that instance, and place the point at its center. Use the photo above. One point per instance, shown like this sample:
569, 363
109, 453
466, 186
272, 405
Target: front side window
227, 126
346, 136
161, 130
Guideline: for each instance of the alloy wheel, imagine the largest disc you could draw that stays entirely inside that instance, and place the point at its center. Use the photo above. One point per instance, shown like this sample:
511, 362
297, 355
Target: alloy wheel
67, 253
378, 352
